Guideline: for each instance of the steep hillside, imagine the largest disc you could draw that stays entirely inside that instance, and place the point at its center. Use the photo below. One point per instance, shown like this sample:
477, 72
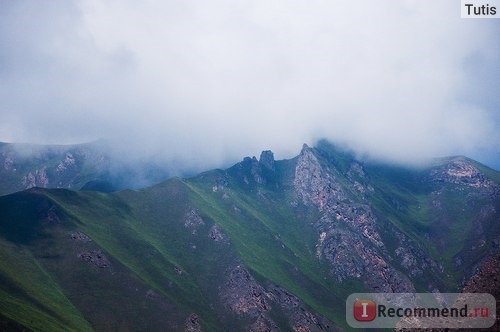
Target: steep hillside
264, 245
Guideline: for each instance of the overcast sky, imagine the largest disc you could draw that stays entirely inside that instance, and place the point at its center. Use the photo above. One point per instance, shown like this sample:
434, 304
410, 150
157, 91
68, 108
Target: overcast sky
208, 82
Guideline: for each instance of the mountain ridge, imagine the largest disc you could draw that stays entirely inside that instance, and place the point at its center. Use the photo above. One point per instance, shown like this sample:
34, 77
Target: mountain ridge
87, 166
265, 244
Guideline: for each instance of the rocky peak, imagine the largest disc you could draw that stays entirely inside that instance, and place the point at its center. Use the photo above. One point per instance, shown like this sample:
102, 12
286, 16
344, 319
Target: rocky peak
309, 182
247, 161
253, 166
348, 236
313, 184
267, 160
461, 171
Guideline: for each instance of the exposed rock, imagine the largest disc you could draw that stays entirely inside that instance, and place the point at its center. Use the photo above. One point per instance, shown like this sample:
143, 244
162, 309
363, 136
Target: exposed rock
29, 181
356, 169
301, 319
413, 258
69, 161
256, 172
243, 295
267, 160
8, 163
37, 179
348, 239
178, 270
192, 220
217, 235
250, 169
193, 323
486, 279
359, 187
42, 178
319, 245
263, 324
79, 236
312, 184
461, 172
96, 257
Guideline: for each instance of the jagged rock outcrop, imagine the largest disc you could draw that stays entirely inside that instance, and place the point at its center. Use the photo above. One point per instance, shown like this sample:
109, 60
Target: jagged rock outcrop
267, 160
348, 237
314, 185
258, 171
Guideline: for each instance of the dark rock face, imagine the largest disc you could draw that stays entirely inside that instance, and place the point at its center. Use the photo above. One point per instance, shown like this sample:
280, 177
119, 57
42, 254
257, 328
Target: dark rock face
259, 171
267, 160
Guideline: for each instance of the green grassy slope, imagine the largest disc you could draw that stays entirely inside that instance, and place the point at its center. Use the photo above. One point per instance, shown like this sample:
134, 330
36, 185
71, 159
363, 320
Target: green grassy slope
441, 217
28, 293
161, 267
142, 233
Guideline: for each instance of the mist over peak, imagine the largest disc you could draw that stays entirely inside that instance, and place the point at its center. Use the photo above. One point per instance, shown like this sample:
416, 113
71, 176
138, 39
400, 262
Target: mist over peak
205, 83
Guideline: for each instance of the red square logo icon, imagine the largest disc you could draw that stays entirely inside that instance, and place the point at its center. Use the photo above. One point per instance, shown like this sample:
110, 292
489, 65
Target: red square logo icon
364, 310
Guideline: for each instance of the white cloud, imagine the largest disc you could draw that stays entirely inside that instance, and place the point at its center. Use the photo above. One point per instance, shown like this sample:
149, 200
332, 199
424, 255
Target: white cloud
209, 81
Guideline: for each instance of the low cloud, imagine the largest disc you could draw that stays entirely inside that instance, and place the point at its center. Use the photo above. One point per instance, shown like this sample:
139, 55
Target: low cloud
206, 82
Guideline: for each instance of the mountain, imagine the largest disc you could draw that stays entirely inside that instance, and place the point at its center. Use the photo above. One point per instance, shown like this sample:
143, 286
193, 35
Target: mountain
264, 245
84, 166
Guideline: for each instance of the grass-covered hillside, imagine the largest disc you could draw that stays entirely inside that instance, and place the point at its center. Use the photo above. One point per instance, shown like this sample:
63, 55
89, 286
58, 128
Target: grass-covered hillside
263, 245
